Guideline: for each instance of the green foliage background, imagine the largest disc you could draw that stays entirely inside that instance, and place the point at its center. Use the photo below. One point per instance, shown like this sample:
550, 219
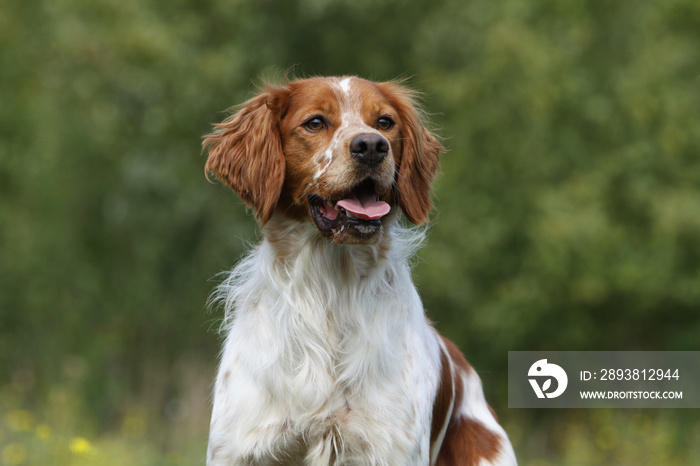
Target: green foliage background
568, 208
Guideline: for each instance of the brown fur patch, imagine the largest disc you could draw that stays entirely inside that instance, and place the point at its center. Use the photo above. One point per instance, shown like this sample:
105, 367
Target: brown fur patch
419, 158
456, 356
245, 152
467, 441
444, 400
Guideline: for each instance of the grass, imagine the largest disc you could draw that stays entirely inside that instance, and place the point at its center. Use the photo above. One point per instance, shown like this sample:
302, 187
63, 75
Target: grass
59, 430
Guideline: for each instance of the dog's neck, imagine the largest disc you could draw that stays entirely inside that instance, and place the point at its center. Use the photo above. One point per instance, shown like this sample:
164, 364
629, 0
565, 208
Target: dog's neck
300, 252
307, 271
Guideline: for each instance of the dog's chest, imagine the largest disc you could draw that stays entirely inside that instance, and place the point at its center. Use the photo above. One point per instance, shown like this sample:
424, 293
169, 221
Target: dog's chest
321, 367
328, 389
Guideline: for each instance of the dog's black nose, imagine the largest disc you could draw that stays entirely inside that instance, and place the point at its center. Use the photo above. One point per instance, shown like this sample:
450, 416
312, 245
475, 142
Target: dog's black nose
369, 148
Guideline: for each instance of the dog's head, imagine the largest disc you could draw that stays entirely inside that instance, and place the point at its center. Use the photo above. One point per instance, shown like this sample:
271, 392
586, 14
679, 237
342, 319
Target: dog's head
340, 152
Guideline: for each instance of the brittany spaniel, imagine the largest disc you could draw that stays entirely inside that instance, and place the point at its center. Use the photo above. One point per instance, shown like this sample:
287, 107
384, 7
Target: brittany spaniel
328, 357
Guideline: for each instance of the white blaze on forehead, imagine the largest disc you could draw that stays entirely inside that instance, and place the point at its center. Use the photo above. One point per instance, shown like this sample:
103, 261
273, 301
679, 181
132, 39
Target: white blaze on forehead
351, 123
345, 85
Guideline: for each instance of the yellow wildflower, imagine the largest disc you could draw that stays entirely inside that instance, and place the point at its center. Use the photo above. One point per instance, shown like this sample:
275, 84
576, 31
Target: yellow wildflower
80, 446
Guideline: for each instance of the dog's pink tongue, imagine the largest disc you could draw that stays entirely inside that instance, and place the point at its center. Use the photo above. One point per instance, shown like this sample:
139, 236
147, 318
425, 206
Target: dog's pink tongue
364, 206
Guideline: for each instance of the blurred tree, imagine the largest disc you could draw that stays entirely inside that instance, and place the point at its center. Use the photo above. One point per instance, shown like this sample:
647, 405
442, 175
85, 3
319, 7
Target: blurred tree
568, 209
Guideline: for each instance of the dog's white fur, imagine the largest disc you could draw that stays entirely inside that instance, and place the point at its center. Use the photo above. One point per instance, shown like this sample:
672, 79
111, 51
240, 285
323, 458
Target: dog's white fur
274, 393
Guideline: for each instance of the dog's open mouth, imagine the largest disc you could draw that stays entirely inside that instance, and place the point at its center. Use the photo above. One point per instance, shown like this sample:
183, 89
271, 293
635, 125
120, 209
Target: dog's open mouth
359, 210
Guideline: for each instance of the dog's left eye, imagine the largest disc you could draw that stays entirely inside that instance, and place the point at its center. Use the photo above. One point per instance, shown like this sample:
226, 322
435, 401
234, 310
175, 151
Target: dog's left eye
385, 123
315, 124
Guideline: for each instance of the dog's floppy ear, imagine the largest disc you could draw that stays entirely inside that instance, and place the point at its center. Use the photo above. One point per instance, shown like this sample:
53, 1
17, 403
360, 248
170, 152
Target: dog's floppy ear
245, 151
419, 160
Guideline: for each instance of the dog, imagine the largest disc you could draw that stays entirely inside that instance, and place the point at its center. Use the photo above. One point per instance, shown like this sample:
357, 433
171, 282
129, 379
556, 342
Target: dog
328, 356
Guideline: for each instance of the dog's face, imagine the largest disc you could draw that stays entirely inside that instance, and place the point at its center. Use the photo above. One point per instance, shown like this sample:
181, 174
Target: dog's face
339, 152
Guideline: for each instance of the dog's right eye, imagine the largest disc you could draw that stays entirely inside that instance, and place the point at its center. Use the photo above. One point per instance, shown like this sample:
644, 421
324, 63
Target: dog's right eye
315, 124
